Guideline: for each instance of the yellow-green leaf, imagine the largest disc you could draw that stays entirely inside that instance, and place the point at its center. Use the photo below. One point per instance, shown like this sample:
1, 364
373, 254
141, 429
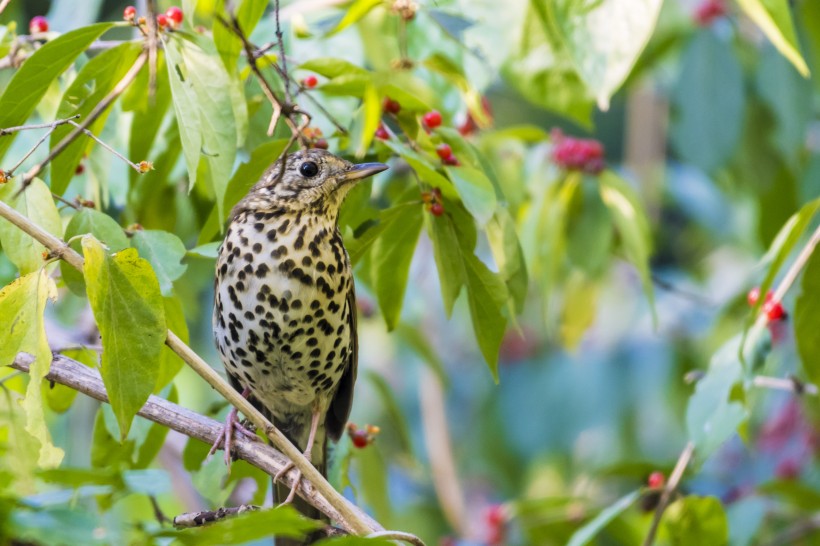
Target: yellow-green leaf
37, 205
125, 297
775, 20
22, 304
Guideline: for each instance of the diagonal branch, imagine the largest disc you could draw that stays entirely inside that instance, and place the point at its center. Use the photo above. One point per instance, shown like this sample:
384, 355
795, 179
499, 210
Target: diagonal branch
75, 375
349, 515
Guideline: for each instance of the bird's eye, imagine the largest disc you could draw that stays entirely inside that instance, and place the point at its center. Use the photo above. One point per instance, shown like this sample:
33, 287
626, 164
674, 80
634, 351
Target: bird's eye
309, 169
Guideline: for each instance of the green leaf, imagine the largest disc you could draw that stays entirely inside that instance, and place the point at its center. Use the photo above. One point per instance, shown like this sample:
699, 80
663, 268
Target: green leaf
590, 230
164, 251
36, 204
283, 521
390, 263
372, 471
508, 255
30, 83
696, 520
248, 13
204, 106
476, 192
579, 307
96, 79
125, 297
372, 113
486, 295
446, 252
544, 72
22, 304
709, 103
712, 416
775, 20
605, 39
807, 318
632, 226
586, 533
100, 225
170, 363
332, 67
357, 10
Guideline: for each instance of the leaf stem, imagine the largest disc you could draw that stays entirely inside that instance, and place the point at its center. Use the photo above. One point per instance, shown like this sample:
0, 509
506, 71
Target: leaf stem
668, 490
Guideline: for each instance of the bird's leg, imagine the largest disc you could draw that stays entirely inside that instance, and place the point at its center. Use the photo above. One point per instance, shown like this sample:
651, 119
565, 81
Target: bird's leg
314, 426
226, 437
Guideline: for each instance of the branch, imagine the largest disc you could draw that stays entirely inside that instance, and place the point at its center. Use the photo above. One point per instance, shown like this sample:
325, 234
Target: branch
349, 515
79, 377
668, 490
121, 86
791, 384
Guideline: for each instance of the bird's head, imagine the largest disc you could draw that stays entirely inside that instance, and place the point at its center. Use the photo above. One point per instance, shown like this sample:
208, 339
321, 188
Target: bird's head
311, 180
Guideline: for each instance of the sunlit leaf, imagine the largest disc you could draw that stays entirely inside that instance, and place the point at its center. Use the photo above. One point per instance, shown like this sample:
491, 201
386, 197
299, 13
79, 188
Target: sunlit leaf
696, 520
36, 204
104, 228
125, 297
775, 20
164, 251
357, 10
807, 319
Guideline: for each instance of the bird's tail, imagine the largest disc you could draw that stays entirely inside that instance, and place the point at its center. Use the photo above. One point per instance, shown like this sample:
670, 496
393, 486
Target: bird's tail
281, 492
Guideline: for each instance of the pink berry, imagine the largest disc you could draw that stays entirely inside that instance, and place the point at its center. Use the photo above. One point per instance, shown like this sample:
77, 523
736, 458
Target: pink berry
432, 119
162, 21
311, 81
753, 296
656, 480
444, 151
129, 13
38, 25
175, 16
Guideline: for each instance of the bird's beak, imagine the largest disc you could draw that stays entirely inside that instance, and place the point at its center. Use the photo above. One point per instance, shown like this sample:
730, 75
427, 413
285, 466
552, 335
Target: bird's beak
363, 170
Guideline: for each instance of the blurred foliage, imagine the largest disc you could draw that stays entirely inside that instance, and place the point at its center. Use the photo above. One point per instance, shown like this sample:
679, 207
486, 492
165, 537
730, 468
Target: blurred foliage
538, 273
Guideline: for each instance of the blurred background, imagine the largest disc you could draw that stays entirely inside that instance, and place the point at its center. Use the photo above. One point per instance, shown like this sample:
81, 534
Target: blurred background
716, 131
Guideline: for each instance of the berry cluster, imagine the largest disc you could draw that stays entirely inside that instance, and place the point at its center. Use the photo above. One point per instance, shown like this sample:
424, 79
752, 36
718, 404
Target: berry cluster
38, 25
314, 137
773, 309
709, 10
172, 18
577, 154
433, 202
362, 437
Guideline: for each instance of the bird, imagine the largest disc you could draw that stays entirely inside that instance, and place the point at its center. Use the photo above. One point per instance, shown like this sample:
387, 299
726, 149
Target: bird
284, 318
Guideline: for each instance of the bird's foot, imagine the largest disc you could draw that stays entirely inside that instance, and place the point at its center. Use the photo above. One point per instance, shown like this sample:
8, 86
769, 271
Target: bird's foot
226, 437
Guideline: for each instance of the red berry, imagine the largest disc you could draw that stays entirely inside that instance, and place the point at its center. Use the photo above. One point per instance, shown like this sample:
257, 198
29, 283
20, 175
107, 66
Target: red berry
38, 25
391, 106
774, 310
162, 21
452, 161
129, 13
310, 82
321, 144
80, 169
432, 119
174, 14
656, 480
381, 133
359, 438
708, 11
444, 151
436, 209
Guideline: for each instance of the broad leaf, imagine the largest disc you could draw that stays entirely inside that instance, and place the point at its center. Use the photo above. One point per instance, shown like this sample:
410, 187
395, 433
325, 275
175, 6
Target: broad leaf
357, 10
476, 192
96, 79
36, 204
696, 520
22, 304
775, 20
100, 225
586, 533
125, 297
486, 295
32, 81
164, 251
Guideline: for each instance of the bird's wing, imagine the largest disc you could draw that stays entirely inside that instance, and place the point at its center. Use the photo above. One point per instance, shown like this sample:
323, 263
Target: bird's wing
343, 399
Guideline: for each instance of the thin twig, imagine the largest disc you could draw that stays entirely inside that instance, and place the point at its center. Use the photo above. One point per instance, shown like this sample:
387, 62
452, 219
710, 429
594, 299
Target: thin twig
55, 123
10, 172
397, 535
281, 41
107, 147
153, 39
197, 519
3, 5
75, 375
65, 201
668, 490
106, 101
791, 384
348, 513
